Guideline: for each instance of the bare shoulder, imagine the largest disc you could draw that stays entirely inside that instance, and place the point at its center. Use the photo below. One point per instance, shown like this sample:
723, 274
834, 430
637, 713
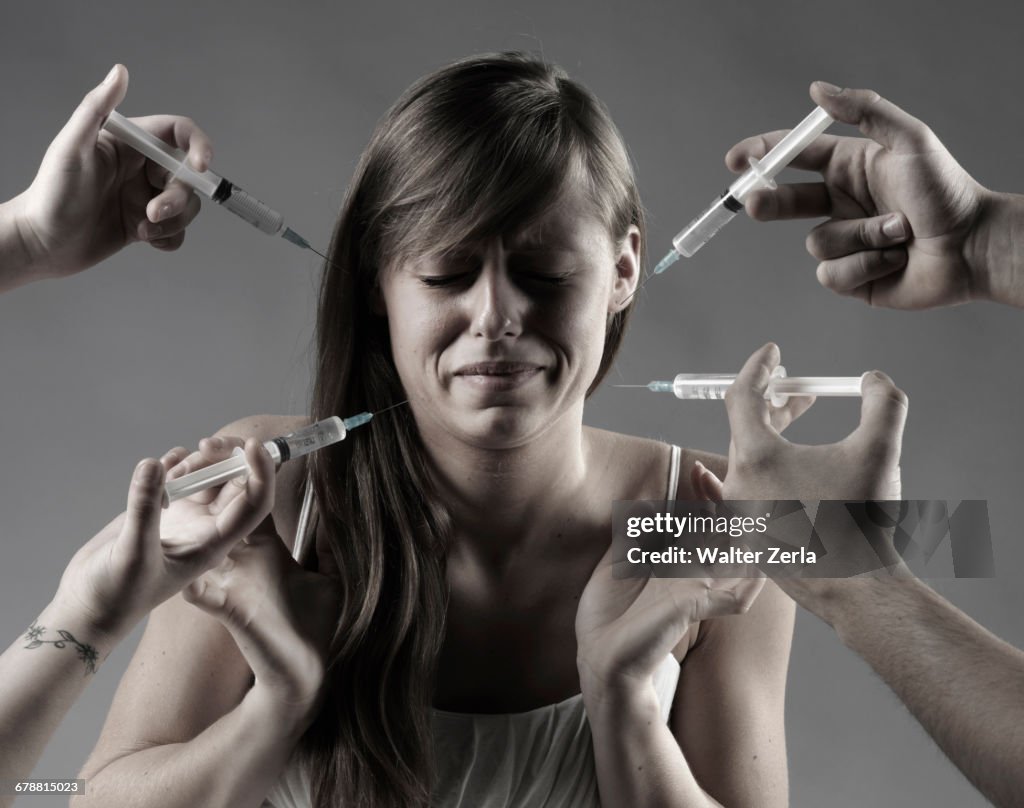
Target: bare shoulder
290, 476
641, 465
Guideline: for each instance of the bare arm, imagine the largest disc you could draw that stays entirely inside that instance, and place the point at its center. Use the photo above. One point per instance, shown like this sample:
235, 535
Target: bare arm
185, 728
964, 684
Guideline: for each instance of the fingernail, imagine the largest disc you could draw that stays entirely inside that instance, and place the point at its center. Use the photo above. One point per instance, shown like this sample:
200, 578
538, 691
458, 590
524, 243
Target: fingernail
110, 75
894, 257
829, 89
893, 227
153, 231
164, 211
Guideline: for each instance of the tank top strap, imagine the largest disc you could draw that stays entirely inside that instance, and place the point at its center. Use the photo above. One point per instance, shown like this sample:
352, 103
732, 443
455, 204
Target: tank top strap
306, 527
673, 473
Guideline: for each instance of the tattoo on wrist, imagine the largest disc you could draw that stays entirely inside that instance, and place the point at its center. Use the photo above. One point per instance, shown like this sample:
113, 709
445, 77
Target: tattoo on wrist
86, 653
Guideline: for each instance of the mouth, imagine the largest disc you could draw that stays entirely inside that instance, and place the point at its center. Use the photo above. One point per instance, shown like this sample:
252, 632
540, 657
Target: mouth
498, 375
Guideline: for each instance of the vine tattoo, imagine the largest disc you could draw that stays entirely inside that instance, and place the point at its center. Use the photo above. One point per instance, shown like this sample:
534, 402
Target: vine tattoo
86, 653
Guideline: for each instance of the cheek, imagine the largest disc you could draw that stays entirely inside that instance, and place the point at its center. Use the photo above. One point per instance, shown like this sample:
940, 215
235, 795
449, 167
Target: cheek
419, 331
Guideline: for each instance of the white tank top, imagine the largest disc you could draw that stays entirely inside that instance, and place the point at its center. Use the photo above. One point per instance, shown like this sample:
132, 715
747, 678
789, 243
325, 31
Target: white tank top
541, 758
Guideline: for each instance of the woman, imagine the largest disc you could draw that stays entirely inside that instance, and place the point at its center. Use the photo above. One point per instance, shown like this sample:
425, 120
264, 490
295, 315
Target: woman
482, 268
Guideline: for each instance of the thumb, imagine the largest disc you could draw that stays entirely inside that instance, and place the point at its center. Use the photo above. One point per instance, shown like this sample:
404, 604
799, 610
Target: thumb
882, 416
877, 118
82, 129
145, 502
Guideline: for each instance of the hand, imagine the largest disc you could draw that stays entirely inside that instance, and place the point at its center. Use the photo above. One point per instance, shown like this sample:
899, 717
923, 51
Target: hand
93, 194
765, 466
903, 214
281, 616
625, 627
146, 555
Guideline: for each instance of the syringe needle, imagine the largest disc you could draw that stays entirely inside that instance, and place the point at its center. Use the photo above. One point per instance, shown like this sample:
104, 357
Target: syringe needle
399, 404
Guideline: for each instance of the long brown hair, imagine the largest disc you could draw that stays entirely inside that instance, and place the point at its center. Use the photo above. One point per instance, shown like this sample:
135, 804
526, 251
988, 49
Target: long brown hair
475, 149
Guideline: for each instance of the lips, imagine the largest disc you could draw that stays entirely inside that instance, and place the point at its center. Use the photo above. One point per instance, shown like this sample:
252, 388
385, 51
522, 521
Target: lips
496, 369
497, 376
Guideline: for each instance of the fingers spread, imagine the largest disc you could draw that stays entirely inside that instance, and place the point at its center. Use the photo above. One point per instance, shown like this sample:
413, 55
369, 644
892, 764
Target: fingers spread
845, 275
839, 237
877, 118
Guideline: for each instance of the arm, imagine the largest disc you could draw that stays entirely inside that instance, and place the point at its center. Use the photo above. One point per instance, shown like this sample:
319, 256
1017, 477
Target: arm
93, 195
960, 681
725, 741
133, 564
186, 727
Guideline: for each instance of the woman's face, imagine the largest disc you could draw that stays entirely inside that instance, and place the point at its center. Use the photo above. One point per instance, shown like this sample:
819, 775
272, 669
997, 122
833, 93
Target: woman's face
498, 340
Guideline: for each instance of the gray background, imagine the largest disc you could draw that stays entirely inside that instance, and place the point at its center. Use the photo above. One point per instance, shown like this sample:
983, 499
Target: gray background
152, 350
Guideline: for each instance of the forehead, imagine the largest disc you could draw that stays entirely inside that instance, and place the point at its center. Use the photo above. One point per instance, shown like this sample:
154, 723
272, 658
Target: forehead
569, 221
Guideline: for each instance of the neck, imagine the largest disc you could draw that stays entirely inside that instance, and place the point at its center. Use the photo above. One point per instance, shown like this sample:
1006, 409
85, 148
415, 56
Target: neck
500, 498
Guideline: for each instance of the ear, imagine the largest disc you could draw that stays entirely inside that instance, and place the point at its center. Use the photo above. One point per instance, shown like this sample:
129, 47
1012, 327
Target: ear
627, 271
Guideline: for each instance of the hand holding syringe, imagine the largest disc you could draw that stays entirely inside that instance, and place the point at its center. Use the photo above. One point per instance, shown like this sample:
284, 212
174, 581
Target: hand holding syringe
281, 449
761, 174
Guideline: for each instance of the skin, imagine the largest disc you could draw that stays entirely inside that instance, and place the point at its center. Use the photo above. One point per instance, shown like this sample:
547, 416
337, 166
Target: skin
93, 195
959, 681
906, 226
524, 567
136, 562
90, 198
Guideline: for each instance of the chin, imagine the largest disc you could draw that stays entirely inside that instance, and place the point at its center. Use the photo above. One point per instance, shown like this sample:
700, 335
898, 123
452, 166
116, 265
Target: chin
502, 427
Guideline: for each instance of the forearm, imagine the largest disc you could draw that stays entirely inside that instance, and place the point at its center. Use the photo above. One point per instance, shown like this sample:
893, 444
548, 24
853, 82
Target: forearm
43, 673
18, 264
995, 250
233, 763
637, 758
964, 684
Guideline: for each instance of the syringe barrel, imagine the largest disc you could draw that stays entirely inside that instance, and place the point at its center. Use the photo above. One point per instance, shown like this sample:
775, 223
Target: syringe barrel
246, 206
795, 142
161, 153
715, 385
311, 438
281, 449
702, 229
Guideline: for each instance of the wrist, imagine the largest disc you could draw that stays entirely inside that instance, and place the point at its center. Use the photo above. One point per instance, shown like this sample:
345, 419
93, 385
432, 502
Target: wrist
20, 257
621, 706
290, 718
61, 621
993, 250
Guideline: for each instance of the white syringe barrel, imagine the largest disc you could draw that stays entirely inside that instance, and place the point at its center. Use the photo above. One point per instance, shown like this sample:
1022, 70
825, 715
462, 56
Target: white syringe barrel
715, 385
163, 154
211, 185
798, 139
761, 174
281, 449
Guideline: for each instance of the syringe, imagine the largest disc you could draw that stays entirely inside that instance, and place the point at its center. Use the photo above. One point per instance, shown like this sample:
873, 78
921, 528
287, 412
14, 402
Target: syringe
281, 449
780, 387
761, 174
212, 186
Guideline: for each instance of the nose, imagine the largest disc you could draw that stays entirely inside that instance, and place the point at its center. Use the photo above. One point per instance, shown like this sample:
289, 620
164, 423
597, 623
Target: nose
497, 305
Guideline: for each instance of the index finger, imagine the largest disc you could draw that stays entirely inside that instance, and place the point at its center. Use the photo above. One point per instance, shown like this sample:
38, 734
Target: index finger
183, 133
815, 157
245, 511
745, 403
